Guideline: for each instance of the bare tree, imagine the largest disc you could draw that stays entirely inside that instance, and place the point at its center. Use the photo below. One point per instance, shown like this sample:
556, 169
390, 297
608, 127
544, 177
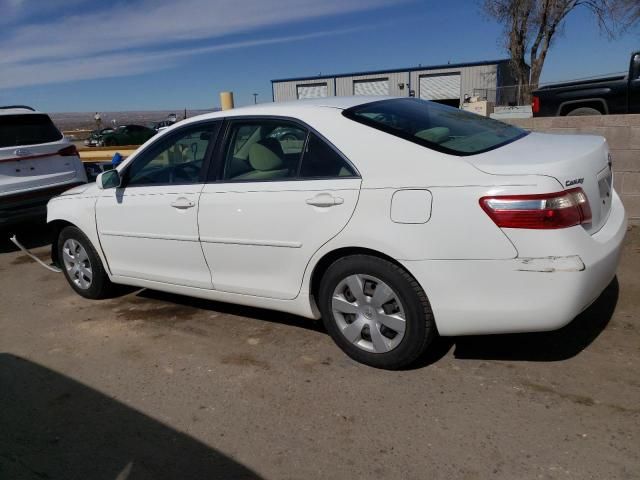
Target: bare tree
627, 13
532, 25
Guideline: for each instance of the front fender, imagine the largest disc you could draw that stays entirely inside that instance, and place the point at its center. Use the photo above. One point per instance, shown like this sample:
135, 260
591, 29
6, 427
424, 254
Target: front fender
79, 211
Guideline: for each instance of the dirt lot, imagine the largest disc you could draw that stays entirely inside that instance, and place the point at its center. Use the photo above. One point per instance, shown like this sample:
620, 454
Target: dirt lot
156, 386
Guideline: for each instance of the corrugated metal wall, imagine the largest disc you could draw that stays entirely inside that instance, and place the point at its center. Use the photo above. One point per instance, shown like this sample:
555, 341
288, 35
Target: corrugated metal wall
472, 77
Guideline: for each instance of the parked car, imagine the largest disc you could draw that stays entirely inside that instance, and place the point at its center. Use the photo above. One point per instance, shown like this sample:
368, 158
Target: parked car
600, 96
96, 136
164, 124
127, 135
36, 163
395, 219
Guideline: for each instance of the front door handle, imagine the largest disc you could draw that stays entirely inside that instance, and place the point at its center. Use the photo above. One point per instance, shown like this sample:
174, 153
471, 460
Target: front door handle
325, 200
183, 203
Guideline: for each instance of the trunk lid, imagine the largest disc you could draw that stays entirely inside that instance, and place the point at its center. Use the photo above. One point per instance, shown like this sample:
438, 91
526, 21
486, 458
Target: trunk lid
573, 160
35, 166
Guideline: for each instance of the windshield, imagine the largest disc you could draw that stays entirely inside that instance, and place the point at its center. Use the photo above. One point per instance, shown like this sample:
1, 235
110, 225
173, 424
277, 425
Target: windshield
29, 129
439, 127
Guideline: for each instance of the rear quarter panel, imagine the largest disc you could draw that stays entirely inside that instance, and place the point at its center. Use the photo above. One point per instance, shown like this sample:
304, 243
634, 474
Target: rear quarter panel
457, 228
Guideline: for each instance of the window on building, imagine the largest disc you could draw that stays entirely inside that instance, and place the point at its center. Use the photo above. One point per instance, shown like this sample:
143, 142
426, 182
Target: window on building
312, 90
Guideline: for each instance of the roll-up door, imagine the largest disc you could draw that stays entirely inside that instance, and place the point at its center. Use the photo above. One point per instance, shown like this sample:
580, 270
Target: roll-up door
313, 90
440, 86
379, 86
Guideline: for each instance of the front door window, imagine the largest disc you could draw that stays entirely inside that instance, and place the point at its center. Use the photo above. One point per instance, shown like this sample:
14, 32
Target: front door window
178, 159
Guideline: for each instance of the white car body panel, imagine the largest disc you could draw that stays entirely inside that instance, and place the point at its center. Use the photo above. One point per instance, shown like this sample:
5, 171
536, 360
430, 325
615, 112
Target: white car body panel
42, 167
257, 237
145, 237
508, 296
569, 158
260, 242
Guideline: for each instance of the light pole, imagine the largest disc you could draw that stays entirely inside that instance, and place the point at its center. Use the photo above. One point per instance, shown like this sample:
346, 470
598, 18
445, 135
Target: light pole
255, 98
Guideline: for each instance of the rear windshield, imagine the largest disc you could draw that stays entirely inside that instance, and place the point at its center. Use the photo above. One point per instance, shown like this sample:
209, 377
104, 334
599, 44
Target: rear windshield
439, 127
30, 129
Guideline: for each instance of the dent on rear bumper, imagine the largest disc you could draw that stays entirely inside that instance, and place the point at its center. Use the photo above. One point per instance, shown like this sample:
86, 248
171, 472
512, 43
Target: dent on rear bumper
470, 297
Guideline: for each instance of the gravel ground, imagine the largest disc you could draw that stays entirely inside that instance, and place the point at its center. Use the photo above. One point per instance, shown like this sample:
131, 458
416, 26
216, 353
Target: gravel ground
150, 385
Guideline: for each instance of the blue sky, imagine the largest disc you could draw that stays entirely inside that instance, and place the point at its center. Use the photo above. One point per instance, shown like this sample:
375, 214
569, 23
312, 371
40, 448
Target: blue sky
87, 55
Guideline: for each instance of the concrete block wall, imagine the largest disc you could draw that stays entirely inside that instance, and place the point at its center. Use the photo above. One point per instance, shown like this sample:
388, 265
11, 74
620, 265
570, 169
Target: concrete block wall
623, 134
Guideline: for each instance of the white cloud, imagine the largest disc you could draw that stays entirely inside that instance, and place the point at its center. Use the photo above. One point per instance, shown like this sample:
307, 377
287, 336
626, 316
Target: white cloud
124, 30
125, 64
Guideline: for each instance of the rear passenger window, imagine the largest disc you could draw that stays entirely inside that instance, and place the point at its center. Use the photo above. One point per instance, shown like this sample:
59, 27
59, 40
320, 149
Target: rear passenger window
263, 150
322, 161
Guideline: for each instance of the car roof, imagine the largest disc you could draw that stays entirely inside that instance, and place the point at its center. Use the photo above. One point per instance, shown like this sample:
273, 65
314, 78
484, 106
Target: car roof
288, 108
18, 109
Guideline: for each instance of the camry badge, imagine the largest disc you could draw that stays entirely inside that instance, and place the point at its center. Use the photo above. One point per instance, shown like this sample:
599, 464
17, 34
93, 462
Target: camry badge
575, 181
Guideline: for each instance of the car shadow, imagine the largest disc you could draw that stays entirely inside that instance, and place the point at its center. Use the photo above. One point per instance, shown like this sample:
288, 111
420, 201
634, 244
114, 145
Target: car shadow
31, 235
553, 346
52, 426
272, 316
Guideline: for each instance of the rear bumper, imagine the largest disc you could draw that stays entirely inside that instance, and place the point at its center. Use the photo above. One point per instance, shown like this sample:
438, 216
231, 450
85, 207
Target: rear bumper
470, 297
29, 206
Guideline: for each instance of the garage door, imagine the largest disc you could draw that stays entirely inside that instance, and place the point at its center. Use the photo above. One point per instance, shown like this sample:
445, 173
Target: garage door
313, 90
379, 86
440, 87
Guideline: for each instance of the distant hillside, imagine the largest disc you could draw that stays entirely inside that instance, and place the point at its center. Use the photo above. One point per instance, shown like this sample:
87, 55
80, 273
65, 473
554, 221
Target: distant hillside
84, 120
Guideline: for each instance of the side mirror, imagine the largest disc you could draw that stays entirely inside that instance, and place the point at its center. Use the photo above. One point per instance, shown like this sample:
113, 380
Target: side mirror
635, 66
108, 179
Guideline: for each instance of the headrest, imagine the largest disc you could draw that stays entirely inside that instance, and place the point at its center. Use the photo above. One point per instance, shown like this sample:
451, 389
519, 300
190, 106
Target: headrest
435, 135
266, 155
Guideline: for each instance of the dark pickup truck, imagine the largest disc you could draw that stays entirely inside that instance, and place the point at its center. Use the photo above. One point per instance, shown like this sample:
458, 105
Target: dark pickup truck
601, 96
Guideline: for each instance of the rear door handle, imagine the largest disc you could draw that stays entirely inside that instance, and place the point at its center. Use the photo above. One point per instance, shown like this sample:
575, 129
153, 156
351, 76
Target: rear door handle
183, 203
325, 200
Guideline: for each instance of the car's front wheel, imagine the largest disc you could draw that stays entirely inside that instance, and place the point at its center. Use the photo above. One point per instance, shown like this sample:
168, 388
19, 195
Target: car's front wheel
81, 265
376, 311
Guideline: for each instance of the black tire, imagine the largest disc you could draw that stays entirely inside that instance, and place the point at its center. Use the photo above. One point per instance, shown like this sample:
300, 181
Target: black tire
420, 328
583, 111
110, 142
100, 285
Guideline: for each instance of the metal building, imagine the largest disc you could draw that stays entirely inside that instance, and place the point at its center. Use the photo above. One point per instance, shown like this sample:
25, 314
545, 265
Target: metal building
443, 83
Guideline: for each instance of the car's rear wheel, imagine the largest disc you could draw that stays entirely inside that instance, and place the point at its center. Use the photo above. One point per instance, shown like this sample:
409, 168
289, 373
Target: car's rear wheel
82, 266
376, 311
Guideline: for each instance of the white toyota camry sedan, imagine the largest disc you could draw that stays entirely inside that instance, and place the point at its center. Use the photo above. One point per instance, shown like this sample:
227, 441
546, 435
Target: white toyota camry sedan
392, 219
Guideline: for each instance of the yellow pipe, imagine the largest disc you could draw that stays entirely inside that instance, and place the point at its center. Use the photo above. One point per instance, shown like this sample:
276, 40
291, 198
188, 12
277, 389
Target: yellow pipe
226, 100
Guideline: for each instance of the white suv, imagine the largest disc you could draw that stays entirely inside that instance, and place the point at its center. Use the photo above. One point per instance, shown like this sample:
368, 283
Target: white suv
36, 164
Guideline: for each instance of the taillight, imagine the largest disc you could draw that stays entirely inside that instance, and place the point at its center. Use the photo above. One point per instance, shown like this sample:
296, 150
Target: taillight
70, 151
535, 105
540, 211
